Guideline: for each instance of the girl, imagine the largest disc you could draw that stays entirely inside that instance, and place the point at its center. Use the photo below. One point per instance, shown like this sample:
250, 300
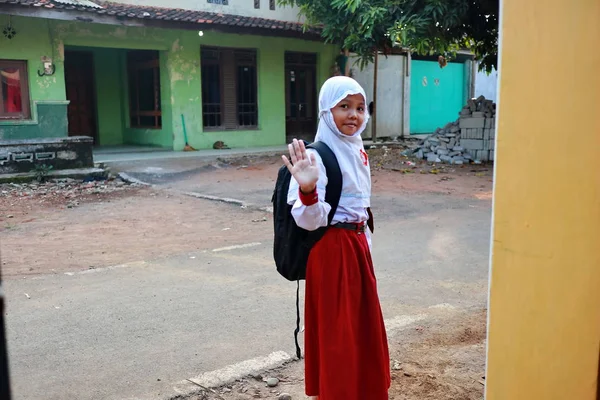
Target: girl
346, 351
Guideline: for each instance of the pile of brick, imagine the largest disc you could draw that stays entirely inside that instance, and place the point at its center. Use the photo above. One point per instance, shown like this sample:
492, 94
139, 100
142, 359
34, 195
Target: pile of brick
469, 139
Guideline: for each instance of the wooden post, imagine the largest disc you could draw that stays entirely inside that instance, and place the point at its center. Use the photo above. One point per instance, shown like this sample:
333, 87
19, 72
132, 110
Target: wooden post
374, 116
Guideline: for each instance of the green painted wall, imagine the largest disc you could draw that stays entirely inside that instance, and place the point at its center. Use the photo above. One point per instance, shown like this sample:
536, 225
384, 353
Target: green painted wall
180, 77
47, 93
436, 95
109, 93
49, 119
35, 39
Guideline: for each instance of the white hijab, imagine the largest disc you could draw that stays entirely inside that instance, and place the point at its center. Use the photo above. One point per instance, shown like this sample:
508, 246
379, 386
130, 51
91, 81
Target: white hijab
349, 150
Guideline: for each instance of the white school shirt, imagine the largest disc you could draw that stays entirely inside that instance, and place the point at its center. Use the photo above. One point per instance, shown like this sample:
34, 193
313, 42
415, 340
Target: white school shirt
315, 216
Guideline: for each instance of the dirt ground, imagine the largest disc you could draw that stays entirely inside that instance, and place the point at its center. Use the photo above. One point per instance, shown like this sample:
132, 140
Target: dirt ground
442, 360
41, 234
99, 224
391, 173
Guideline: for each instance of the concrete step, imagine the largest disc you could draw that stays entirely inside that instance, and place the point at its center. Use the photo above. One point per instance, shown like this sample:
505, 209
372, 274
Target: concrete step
78, 173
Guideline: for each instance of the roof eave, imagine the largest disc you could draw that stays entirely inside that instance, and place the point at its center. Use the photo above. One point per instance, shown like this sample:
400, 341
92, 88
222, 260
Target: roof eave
96, 18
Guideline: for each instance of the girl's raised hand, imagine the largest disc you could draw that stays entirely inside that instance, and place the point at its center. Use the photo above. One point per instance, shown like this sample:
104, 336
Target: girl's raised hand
304, 169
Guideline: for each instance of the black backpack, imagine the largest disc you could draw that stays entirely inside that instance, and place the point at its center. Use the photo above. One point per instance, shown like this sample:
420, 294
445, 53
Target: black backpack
293, 244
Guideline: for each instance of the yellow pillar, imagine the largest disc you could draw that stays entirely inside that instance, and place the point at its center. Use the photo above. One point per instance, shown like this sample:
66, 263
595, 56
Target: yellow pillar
544, 321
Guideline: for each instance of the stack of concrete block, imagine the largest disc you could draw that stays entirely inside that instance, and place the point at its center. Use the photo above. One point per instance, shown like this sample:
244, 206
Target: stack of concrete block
468, 139
477, 124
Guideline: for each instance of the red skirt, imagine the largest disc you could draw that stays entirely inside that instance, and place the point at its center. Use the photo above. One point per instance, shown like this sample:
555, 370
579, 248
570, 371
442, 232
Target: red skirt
346, 349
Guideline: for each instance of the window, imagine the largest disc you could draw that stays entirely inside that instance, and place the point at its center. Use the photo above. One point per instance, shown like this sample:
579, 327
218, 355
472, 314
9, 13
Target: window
14, 91
229, 88
256, 3
144, 89
271, 4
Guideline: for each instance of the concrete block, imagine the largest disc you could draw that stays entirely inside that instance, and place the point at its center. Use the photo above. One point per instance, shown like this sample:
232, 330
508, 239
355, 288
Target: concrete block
446, 159
488, 123
478, 114
472, 144
432, 157
492, 155
442, 152
464, 133
477, 133
482, 155
486, 134
472, 123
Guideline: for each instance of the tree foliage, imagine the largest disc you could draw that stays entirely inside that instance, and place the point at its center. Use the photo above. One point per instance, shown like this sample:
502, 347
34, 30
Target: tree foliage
424, 27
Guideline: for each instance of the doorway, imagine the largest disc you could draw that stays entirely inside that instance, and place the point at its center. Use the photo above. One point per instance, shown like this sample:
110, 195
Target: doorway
300, 96
79, 82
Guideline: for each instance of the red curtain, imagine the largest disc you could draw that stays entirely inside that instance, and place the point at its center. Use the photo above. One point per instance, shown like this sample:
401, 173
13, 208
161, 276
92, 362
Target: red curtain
12, 99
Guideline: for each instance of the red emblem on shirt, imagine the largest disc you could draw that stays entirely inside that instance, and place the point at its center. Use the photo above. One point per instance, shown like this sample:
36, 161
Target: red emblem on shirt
365, 157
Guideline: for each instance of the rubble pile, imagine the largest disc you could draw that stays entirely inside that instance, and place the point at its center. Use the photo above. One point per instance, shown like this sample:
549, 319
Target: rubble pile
468, 139
69, 191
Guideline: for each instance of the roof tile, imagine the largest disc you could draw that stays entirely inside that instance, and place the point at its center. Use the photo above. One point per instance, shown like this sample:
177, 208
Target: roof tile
172, 14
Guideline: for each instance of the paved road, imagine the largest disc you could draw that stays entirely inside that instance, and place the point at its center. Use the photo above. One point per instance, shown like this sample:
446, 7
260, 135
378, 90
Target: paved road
136, 330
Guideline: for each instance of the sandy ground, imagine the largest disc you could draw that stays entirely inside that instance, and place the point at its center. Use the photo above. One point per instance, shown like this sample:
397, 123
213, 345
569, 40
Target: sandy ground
116, 228
441, 360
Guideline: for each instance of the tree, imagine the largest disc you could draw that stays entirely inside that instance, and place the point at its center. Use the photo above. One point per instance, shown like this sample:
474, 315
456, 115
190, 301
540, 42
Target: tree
424, 27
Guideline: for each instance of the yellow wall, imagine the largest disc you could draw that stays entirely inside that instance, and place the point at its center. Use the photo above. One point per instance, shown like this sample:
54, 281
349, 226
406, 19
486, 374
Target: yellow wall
544, 331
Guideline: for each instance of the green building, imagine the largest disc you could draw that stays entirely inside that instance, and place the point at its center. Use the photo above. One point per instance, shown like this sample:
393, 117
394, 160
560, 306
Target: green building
126, 74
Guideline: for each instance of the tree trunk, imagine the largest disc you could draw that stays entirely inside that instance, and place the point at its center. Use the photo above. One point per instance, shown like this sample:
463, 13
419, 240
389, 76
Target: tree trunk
346, 71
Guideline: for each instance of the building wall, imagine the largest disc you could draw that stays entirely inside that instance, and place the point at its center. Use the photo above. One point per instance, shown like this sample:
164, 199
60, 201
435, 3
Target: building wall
180, 79
544, 314
48, 106
233, 7
487, 85
390, 94
436, 94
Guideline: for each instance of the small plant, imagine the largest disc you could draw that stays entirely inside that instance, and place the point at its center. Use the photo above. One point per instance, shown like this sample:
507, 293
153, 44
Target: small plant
41, 172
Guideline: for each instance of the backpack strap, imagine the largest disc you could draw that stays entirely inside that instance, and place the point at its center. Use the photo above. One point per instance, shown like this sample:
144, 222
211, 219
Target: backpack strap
334, 176
297, 330
332, 197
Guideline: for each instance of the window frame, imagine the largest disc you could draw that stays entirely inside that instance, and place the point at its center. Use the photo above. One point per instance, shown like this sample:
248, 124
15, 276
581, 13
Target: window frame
25, 114
223, 117
134, 111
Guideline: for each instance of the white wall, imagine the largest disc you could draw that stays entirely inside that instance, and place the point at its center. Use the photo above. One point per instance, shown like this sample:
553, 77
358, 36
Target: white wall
487, 85
390, 94
234, 7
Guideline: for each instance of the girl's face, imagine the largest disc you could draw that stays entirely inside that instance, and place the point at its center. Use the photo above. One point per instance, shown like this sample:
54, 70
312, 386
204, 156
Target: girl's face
349, 114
